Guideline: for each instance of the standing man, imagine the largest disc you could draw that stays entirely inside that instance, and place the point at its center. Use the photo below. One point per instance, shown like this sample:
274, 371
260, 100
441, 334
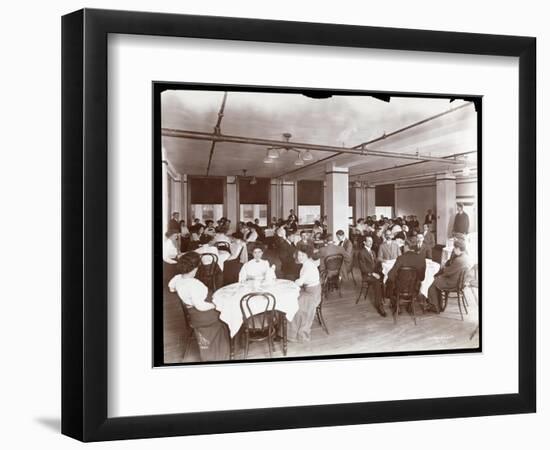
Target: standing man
371, 273
462, 221
174, 223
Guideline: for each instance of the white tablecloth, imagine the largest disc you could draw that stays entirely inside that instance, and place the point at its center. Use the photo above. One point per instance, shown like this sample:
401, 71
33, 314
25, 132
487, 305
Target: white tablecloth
431, 269
228, 298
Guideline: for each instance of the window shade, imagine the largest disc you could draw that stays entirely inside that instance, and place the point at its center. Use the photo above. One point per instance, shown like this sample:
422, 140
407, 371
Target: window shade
206, 191
310, 192
254, 194
385, 195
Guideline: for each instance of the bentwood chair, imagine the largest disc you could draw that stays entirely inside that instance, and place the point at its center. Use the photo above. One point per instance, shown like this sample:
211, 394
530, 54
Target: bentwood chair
406, 291
189, 334
364, 288
457, 291
319, 309
222, 245
260, 322
333, 265
207, 271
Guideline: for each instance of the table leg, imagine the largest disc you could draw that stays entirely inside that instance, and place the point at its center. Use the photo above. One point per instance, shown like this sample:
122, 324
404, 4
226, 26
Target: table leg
285, 341
232, 348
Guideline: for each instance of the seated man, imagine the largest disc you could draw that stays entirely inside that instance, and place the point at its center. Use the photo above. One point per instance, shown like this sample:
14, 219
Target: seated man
422, 248
371, 273
347, 245
285, 252
447, 277
257, 268
429, 237
304, 242
409, 258
389, 249
329, 250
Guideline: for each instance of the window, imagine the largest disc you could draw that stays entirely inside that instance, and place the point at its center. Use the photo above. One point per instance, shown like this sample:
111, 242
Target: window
207, 198
206, 212
310, 199
254, 200
308, 214
386, 211
248, 213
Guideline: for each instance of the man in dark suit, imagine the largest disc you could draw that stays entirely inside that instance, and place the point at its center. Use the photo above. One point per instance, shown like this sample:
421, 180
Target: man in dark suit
447, 277
371, 272
409, 258
174, 223
329, 250
462, 221
347, 245
424, 250
285, 251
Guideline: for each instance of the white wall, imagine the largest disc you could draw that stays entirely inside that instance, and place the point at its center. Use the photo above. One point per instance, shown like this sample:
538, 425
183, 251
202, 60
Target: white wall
30, 386
415, 200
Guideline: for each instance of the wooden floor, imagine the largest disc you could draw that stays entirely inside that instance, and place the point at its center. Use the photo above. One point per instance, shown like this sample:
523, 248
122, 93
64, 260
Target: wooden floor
353, 329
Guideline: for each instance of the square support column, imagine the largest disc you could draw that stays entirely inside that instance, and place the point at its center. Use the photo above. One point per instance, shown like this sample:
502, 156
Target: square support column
445, 186
370, 204
337, 198
233, 212
359, 210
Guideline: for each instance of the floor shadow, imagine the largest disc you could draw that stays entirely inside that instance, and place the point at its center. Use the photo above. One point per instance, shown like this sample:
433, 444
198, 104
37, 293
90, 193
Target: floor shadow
53, 423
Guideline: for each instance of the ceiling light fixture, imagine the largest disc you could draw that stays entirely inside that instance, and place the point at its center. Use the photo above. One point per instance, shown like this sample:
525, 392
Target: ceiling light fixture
268, 159
299, 161
307, 156
273, 153
253, 180
466, 172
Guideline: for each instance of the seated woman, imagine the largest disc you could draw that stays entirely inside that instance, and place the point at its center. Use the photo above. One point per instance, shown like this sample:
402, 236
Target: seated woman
170, 255
257, 268
212, 335
317, 229
299, 330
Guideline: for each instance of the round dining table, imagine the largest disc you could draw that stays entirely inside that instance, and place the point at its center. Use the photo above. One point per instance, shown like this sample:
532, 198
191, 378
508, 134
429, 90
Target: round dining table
431, 269
228, 298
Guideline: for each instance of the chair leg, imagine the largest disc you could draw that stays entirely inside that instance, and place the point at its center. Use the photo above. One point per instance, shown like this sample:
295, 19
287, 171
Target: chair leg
359, 297
353, 277
269, 345
396, 311
321, 320
459, 301
246, 343
464, 302
413, 310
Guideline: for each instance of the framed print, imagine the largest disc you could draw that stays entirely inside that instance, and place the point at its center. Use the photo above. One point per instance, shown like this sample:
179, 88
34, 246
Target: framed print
289, 208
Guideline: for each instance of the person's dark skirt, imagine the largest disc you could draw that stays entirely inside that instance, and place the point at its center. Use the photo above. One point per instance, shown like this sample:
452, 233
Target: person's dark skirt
212, 334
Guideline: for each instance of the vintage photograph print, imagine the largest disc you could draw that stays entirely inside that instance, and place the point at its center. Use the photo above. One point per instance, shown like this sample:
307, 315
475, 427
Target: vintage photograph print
313, 224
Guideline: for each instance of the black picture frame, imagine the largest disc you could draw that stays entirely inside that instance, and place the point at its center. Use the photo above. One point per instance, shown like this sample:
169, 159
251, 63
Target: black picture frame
84, 224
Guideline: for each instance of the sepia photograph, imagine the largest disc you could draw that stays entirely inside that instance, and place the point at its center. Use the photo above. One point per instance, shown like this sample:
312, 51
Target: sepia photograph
310, 224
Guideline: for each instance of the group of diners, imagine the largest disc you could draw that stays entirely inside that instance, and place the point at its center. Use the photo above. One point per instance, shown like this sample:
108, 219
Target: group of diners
203, 258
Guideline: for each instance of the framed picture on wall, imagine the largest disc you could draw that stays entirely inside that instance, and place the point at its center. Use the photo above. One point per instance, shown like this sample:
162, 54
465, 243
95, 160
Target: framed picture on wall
266, 226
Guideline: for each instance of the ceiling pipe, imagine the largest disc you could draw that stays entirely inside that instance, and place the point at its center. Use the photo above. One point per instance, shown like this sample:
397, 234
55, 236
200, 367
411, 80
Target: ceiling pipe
186, 134
381, 138
217, 131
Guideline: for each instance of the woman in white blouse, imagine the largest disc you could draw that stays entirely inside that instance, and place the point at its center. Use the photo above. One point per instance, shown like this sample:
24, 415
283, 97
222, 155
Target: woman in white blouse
257, 268
170, 255
212, 335
299, 330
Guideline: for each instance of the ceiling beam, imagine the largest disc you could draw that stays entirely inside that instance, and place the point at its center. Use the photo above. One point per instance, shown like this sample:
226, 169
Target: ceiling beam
380, 138
218, 137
